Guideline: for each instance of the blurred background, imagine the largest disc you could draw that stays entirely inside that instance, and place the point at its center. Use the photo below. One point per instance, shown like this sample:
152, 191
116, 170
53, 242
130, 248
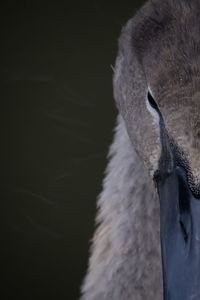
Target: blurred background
57, 120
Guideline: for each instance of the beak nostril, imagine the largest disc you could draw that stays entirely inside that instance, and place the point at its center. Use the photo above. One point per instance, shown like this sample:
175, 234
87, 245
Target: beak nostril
184, 231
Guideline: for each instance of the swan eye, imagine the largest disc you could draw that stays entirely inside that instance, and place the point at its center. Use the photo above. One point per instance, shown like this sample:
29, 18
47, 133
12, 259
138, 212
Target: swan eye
152, 102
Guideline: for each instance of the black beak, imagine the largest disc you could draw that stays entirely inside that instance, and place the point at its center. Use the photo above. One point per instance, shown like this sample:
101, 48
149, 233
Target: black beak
180, 237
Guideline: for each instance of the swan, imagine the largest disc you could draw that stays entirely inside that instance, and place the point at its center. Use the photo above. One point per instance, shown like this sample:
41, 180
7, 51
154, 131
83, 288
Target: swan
147, 241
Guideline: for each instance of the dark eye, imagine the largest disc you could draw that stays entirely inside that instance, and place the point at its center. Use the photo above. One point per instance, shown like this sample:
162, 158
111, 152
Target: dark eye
152, 102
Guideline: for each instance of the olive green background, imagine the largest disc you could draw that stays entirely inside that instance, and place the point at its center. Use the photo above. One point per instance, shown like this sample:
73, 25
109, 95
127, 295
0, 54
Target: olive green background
57, 119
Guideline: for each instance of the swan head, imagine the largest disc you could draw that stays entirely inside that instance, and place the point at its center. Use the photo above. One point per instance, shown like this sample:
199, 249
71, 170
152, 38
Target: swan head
157, 90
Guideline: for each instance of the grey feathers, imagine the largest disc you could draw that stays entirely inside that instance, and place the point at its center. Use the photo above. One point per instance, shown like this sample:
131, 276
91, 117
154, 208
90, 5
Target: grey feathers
125, 256
159, 50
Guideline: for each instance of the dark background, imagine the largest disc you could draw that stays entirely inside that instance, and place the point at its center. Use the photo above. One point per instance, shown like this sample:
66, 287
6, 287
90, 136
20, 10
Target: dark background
57, 116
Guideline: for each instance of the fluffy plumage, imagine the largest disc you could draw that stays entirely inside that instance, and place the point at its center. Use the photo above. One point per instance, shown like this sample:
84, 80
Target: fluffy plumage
125, 256
158, 51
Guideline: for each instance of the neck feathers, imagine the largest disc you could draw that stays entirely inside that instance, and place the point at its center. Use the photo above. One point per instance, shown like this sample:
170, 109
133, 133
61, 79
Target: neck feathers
125, 259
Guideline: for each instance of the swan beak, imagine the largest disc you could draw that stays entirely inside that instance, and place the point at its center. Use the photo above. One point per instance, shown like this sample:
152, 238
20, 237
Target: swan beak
180, 237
